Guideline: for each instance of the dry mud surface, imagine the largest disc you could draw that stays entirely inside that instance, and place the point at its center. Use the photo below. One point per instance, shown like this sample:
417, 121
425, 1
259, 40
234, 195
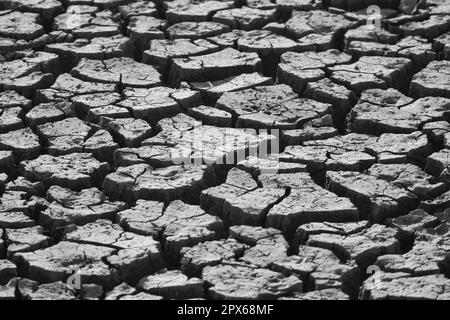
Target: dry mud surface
102, 102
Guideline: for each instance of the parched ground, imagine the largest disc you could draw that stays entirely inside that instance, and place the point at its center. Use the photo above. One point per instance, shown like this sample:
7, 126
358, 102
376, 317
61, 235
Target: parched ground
126, 138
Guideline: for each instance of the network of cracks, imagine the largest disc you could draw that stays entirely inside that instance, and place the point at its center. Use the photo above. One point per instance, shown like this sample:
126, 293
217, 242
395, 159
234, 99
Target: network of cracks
127, 131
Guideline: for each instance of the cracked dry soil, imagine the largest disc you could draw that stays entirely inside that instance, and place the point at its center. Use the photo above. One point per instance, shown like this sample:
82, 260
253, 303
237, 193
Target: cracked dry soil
99, 101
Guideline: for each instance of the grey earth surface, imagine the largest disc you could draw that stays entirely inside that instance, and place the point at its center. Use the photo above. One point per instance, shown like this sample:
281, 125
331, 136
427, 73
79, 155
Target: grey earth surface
132, 139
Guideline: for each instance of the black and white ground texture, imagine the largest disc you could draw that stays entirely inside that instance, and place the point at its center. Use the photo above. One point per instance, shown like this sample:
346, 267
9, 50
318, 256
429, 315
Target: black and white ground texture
118, 120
